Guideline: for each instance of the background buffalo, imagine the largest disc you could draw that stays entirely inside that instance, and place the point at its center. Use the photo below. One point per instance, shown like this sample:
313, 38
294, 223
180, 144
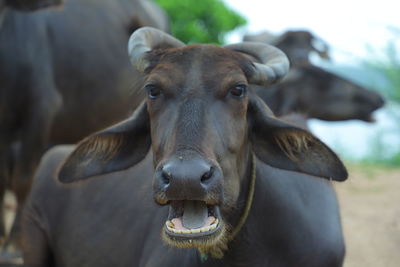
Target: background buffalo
64, 74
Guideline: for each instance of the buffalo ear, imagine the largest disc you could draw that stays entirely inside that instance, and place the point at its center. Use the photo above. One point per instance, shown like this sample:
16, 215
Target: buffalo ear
285, 146
116, 148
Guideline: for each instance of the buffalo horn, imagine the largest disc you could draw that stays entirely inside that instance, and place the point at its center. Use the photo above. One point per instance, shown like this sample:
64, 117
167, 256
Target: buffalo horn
146, 39
323, 52
273, 62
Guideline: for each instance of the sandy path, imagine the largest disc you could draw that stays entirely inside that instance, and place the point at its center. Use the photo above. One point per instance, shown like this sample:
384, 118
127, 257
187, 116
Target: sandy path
370, 206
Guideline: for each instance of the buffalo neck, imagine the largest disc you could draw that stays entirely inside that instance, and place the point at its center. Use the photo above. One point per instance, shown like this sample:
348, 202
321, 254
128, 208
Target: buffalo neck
241, 251
239, 216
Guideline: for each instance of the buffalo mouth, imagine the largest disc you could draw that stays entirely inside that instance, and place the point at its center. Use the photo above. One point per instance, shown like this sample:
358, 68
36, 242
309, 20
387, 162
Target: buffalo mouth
369, 118
192, 223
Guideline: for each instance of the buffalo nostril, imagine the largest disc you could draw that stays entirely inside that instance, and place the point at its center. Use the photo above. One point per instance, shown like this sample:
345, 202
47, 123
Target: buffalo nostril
166, 177
206, 176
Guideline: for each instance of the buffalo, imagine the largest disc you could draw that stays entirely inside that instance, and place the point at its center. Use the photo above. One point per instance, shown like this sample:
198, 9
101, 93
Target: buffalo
7, 6
202, 164
311, 91
64, 74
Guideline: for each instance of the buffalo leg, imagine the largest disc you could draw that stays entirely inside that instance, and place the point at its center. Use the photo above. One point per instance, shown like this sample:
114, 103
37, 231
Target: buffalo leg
29, 152
5, 172
2, 217
35, 246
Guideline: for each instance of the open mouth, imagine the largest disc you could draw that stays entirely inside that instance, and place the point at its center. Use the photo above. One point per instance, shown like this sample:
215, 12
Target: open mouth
369, 118
193, 221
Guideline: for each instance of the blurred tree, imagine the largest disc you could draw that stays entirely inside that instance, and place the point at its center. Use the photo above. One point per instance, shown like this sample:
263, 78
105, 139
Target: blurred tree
388, 66
201, 21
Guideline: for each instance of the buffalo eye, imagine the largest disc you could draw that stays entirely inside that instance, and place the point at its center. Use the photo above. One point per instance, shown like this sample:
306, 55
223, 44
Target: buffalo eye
153, 91
238, 90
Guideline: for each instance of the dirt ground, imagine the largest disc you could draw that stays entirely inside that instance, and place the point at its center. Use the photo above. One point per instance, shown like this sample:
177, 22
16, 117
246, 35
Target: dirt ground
370, 208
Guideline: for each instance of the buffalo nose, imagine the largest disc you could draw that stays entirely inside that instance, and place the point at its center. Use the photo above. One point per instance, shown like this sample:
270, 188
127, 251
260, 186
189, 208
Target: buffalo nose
374, 99
188, 179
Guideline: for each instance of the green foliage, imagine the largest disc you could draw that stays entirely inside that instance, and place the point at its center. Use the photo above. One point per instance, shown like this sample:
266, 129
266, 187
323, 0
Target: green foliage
392, 161
378, 153
389, 67
200, 21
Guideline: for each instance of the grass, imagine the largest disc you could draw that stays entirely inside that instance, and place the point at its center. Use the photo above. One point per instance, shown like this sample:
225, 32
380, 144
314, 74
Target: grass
371, 169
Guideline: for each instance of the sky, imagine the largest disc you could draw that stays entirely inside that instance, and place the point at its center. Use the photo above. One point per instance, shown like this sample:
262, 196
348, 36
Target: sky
349, 27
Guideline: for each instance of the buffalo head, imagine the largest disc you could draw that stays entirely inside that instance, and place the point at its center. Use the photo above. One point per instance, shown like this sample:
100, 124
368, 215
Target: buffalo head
204, 126
317, 93
297, 45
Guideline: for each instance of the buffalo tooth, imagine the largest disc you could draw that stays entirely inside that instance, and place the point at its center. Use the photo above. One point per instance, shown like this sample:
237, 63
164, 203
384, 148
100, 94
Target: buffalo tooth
205, 229
171, 227
195, 231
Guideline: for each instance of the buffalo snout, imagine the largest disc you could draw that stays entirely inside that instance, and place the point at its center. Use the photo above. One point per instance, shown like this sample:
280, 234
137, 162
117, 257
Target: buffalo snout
378, 101
367, 102
188, 179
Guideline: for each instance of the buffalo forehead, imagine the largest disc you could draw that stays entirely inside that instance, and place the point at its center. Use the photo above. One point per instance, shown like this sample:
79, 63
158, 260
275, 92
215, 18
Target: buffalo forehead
197, 66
